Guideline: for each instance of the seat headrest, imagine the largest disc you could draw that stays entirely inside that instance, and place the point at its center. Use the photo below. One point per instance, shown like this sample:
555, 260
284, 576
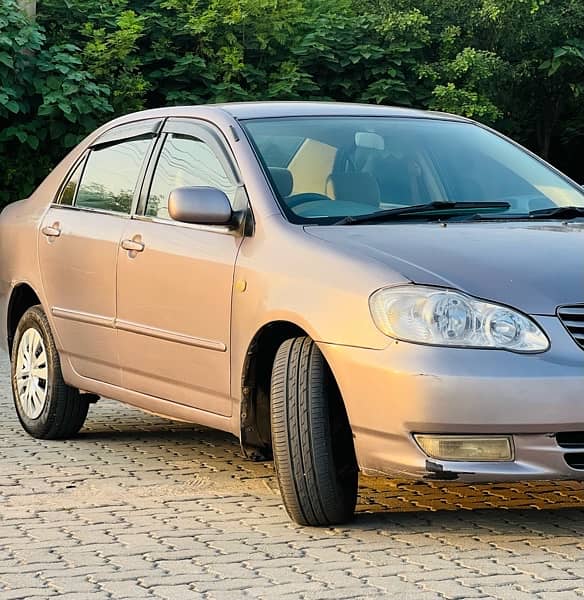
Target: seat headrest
283, 180
355, 187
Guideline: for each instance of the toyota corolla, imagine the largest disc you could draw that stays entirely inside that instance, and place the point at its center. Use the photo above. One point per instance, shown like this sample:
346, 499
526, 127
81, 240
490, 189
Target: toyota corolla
345, 288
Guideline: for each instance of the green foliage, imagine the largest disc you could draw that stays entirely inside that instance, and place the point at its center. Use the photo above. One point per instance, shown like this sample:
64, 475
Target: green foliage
515, 64
113, 58
449, 98
47, 102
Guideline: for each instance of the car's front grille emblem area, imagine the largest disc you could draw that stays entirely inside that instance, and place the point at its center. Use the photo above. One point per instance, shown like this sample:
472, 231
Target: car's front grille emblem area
573, 319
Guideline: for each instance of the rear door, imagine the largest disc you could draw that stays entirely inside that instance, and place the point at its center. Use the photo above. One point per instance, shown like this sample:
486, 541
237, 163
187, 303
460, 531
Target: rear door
78, 247
174, 292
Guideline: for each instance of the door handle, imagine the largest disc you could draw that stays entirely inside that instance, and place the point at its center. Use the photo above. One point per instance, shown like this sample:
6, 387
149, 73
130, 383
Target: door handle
52, 230
133, 245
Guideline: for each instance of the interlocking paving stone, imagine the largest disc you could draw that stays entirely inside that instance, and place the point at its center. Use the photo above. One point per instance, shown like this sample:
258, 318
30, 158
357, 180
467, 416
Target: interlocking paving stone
140, 507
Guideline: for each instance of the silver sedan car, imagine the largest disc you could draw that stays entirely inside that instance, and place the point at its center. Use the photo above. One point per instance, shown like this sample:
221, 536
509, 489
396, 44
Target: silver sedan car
345, 288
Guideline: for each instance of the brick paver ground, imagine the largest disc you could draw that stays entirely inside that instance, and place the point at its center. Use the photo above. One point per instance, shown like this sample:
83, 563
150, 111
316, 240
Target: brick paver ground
140, 507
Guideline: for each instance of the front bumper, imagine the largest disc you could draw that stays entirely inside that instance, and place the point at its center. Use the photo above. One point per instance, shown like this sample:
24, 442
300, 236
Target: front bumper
406, 388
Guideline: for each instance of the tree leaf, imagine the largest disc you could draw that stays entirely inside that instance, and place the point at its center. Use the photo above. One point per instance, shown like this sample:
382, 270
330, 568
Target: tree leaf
12, 106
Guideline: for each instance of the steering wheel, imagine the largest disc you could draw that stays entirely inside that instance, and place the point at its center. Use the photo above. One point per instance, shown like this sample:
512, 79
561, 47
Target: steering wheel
298, 199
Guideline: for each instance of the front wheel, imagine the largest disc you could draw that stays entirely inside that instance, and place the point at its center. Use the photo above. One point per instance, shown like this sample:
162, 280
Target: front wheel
46, 406
312, 440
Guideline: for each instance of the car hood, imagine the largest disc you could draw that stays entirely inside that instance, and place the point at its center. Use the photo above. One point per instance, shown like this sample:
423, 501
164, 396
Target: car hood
534, 267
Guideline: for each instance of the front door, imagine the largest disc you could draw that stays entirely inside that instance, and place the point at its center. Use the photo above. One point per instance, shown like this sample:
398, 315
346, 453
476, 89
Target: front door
175, 280
78, 250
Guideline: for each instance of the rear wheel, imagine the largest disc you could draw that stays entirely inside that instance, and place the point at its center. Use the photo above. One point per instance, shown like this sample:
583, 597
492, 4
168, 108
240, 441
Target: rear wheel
311, 437
46, 406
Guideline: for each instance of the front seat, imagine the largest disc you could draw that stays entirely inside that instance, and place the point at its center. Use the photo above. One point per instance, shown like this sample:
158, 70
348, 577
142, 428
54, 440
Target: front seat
283, 180
354, 187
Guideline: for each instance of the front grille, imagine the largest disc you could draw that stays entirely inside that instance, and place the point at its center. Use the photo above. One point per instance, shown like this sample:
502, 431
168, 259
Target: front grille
573, 319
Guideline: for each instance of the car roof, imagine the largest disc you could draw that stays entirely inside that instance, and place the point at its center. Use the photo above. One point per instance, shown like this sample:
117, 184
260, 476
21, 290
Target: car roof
262, 110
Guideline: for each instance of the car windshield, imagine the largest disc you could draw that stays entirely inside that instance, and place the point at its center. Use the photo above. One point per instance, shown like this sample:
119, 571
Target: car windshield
326, 168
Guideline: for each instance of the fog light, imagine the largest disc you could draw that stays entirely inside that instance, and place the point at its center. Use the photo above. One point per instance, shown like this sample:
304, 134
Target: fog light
466, 447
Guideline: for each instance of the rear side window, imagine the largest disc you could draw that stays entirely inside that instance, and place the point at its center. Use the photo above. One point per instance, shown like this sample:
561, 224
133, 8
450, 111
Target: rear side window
67, 196
185, 162
111, 175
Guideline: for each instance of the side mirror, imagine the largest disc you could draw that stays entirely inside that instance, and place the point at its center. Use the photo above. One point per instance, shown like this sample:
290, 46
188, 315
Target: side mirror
200, 205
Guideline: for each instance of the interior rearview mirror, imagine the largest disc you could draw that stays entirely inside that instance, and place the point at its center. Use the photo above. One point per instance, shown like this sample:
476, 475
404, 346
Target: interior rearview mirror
200, 205
367, 139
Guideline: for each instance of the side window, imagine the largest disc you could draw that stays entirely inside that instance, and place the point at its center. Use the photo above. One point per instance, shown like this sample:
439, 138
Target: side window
184, 162
111, 175
67, 196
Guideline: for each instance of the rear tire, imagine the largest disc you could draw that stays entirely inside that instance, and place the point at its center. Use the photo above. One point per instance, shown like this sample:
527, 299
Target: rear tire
311, 437
46, 406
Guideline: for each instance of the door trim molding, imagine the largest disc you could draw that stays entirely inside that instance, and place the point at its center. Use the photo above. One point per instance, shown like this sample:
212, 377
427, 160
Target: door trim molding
170, 336
129, 326
83, 317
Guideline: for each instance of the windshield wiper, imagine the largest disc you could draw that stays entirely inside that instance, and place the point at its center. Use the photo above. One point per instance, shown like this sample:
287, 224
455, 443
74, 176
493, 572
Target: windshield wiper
432, 208
560, 212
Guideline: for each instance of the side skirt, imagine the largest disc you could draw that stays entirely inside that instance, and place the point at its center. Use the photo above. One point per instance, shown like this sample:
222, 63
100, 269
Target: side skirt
150, 404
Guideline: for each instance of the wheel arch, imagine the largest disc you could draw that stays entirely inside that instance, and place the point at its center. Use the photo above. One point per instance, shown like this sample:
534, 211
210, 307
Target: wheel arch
255, 435
255, 426
22, 297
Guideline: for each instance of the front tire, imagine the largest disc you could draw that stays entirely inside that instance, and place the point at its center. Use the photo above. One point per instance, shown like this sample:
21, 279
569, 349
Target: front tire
312, 440
46, 406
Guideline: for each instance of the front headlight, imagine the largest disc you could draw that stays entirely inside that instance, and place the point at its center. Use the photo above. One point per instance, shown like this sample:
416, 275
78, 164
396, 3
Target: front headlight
443, 317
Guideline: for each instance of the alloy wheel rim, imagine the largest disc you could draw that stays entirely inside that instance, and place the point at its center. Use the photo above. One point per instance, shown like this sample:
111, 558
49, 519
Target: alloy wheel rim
32, 373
